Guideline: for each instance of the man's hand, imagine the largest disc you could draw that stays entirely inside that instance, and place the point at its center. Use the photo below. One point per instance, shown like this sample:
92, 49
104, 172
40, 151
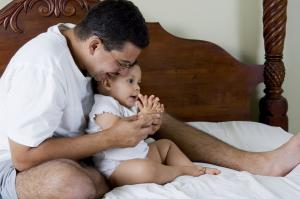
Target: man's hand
156, 124
128, 132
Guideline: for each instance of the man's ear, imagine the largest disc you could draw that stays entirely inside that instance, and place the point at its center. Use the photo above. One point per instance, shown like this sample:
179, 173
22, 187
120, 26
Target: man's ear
94, 44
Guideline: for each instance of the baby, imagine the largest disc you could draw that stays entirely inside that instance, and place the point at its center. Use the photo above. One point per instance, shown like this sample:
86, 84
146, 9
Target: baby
159, 162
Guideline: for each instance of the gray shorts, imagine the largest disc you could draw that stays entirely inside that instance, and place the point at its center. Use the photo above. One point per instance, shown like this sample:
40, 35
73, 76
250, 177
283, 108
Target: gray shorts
7, 180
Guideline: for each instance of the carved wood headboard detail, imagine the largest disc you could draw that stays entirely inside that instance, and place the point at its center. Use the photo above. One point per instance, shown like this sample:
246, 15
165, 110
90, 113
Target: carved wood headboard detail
21, 20
197, 80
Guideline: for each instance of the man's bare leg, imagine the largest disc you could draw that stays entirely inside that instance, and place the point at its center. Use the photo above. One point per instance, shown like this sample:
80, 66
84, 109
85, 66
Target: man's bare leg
60, 179
98, 180
199, 146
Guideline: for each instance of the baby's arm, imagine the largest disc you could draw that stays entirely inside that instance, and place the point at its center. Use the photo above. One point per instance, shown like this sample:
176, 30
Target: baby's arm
106, 120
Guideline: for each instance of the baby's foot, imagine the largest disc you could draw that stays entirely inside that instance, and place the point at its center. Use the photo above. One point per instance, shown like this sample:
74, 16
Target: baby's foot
211, 171
198, 170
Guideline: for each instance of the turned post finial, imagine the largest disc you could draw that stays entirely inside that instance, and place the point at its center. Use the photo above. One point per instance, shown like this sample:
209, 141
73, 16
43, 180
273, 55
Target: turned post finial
273, 106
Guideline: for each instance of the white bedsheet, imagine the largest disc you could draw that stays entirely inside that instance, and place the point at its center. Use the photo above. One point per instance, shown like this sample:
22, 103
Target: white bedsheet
230, 184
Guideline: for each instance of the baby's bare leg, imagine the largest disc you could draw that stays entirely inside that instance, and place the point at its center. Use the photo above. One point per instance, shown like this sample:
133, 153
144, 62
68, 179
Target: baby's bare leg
167, 152
148, 171
153, 170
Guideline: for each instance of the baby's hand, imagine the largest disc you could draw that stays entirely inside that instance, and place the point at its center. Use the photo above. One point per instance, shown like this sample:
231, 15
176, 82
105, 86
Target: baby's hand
150, 104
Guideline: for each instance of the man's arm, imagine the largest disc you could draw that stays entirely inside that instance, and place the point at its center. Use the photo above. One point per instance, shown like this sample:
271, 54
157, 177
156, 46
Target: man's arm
76, 148
124, 133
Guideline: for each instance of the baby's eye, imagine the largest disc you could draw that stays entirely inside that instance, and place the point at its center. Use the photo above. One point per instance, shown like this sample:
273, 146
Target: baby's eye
130, 81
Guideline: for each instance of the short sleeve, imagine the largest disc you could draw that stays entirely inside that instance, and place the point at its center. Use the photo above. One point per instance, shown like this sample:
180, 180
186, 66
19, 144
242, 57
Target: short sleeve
105, 104
34, 101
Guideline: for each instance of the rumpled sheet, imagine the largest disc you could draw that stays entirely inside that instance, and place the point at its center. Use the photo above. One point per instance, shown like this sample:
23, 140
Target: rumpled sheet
230, 184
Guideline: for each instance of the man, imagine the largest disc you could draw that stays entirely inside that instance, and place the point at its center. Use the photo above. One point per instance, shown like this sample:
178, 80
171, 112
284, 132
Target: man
46, 95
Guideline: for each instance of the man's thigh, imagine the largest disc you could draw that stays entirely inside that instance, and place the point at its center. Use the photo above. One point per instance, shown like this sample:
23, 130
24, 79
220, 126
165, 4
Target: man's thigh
60, 179
7, 180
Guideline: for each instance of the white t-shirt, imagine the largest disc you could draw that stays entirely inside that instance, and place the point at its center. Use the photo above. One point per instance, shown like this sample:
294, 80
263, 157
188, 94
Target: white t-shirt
107, 104
43, 93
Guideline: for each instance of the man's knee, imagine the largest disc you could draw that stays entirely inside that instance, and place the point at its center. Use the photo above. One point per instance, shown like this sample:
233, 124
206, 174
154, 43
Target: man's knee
56, 179
72, 181
99, 181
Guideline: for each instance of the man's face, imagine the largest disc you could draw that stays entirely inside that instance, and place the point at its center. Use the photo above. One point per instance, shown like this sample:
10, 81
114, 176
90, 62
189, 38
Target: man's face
101, 62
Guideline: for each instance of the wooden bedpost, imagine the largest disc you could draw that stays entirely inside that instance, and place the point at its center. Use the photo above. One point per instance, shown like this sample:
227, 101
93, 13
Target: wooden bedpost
273, 106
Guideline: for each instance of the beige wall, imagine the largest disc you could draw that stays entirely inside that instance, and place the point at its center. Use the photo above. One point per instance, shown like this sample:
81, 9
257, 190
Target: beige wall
238, 29
3, 3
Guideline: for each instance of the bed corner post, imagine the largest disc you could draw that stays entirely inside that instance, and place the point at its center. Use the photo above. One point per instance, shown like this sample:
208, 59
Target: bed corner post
273, 106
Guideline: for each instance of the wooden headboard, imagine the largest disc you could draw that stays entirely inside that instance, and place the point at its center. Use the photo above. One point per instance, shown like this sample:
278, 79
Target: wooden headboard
196, 80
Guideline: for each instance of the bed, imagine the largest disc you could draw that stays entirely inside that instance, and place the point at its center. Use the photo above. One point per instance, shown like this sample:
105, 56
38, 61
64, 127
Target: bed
197, 81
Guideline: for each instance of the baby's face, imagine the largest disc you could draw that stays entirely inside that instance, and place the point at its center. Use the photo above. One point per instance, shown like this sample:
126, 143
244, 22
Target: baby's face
126, 88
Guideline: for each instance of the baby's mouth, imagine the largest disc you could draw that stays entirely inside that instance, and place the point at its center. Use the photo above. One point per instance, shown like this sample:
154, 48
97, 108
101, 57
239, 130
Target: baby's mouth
134, 97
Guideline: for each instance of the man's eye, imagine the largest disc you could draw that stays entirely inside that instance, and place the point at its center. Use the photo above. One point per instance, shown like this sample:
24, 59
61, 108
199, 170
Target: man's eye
123, 65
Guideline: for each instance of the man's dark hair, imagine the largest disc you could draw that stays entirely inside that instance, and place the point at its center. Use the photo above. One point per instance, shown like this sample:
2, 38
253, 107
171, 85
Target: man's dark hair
114, 22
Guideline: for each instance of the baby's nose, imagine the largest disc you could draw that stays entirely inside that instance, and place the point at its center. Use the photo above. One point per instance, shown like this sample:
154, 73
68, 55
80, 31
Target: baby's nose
137, 88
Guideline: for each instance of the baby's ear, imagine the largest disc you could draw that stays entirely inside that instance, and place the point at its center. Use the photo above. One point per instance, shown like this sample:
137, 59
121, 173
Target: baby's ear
106, 84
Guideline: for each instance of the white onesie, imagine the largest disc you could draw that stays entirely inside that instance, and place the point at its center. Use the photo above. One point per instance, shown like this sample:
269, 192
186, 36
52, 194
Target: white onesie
107, 161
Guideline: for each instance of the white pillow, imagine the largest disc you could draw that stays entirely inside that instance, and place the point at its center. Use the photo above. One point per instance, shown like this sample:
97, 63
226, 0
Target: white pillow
249, 136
